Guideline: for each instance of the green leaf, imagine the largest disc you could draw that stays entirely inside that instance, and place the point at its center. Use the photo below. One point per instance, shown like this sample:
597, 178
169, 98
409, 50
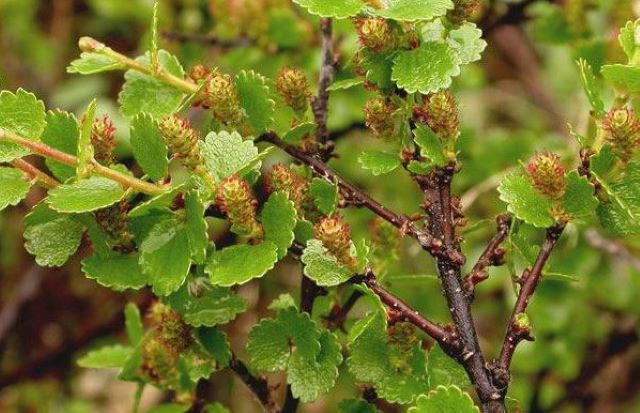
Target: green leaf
239, 264
356, 406
144, 93
443, 370
579, 201
85, 150
255, 99
283, 302
426, 69
196, 227
211, 306
133, 323
322, 267
345, 84
227, 153
524, 201
165, 256
621, 215
430, 145
170, 408
325, 195
445, 400
92, 63
116, 271
339, 9
467, 42
278, 219
106, 357
51, 237
624, 77
216, 408
14, 187
296, 134
395, 366
23, 114
603, 161
85, 195
378, 68
148, 146
629, 38
379, 162
590, 87
215, 342
309, 378
61, 133
413, 10
158, 203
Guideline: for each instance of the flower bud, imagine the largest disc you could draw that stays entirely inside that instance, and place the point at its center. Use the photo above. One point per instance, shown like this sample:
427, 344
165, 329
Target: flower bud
293, 86
335, 235
182, 140
379, 117
199, 72
547, 174
623, 132
235, 199
221, 96
440, 112
375, 34
103, 140
462, 10
282, 179
113, 221
158, 362
171, 330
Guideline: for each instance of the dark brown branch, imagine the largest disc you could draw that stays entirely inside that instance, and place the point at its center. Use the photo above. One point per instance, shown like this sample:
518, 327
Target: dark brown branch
493, 255
356, 196
338, 314
320, 104
528, 283
257, 385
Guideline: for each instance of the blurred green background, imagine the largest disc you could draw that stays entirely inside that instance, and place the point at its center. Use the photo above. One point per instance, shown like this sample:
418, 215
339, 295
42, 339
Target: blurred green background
517, 100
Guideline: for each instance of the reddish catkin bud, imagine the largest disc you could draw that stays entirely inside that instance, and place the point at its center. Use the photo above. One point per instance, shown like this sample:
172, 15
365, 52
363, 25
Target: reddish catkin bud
335, 235
440, 112
375, 34
182, 141
103, 140
547, 174
199, 72
222, 97
113, 221
235, 199
463, 10
623, 132
293, 86
379, 117
158, 362
282, 179
171, 330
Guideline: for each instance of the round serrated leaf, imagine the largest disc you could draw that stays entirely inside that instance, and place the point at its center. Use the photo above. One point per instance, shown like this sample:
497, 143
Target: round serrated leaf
116, 271
86, 195
93, 63
524, 201
625, 77
23, 114
14, 187
227, 153
239, 264
426, 69
339, 9
378, 162
148, 147
255, 99
62, 133
413, 10
322, 267
579, 200
214, 306
445, 400
278, 218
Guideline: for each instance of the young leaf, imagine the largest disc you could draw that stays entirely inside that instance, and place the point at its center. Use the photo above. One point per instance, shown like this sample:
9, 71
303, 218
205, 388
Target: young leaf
85, 149
356, 406
165, 256
170, 408
106, 357
426, 69
91, 63
325, 195
62, 133
629, 38
255, 99
144, 93
339, 9
14, 187
85, 195
621, 215
443, 400
443, 370
378, 162
590, 87
227, 153
278, 219
430, 145
196, 227
296, 134
322, 267
51, 237
239, 264
467, 43
579, 201
215, 343
133, 323
23, 114
148, 146
524, 201
211, 307
624, 77
413, 10
345, 84
116, 271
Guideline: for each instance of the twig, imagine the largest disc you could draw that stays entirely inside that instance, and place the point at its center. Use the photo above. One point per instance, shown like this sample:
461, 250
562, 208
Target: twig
338, 314
36, 174
528, 283
428, 242
320, 104
258, 386
492, 255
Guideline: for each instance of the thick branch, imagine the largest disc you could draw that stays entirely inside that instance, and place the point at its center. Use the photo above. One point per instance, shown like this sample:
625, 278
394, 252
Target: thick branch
429, 243
528, 283
492, 255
